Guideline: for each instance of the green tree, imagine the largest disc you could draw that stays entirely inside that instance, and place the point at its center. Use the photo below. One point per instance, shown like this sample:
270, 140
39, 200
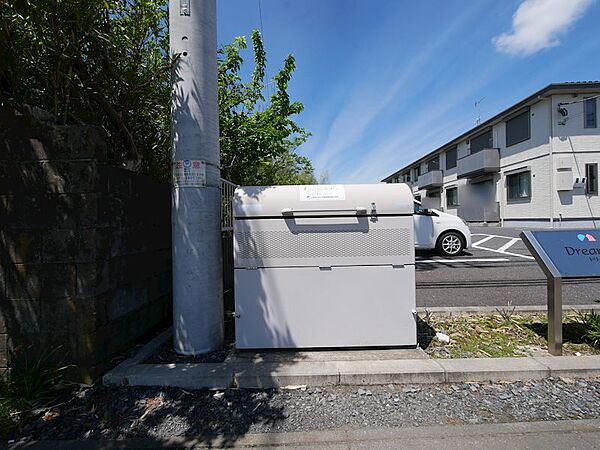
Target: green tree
259, 138
107, 63
100, 62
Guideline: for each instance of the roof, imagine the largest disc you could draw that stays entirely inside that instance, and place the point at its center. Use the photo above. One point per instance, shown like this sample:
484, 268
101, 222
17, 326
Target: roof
551, 89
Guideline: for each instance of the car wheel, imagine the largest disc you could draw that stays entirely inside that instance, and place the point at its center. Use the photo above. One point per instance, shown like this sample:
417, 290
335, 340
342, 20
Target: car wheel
450, 244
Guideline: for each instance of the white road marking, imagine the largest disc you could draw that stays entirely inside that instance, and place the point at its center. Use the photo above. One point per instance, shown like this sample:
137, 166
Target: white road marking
462, 260
505, 253
492, 235
509, 244
485, 239
501, 250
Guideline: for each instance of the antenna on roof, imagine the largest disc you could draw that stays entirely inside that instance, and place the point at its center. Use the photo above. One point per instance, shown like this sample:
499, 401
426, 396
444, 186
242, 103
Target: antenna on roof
478, 110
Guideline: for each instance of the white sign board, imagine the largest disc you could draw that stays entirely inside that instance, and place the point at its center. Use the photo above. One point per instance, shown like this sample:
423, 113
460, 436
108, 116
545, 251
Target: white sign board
189, 172
321, 192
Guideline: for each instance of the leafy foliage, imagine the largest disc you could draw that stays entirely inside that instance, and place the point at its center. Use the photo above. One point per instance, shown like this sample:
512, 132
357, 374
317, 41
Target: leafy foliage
258, 138
100, 62
106, 63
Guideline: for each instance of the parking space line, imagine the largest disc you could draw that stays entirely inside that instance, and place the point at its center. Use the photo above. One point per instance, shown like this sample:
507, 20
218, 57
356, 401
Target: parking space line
485, 239
509, 244
492, 235
504, 252
462, 260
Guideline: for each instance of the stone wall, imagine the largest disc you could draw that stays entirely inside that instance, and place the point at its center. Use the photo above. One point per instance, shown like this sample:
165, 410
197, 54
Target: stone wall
85, 249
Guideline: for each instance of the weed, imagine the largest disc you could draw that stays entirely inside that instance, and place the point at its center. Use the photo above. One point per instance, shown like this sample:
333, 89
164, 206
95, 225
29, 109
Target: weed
507, 313
591, 323
510, 334
25, 388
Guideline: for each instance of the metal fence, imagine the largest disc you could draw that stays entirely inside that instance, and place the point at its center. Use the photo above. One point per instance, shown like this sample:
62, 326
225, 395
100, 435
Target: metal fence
227, 190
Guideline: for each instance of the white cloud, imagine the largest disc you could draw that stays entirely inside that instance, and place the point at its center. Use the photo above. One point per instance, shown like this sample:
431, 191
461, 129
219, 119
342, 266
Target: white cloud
537, 24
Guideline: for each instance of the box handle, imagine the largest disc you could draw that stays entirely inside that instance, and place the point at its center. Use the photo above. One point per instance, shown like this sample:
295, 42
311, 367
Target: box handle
291, 211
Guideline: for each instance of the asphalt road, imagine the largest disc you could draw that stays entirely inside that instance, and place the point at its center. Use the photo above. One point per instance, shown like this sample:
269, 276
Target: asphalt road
497, 271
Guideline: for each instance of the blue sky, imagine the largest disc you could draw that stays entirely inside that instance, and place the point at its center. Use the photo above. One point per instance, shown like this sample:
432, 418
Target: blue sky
385, 81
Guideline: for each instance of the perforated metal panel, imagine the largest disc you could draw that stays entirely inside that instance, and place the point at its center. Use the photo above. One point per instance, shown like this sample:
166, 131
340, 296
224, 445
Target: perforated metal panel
323, 243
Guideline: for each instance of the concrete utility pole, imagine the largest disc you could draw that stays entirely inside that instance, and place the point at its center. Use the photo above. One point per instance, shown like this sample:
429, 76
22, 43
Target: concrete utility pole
196, 200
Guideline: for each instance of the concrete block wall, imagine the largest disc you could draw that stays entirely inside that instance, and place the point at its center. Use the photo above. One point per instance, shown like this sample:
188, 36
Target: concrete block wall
85, 249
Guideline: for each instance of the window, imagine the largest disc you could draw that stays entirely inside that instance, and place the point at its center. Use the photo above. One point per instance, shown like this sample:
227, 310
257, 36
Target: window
484, 140
591, 179
417, 172
589, 113
518, 128
451, 158
407, 177
433, 164
451, 197
419, 209
519, 185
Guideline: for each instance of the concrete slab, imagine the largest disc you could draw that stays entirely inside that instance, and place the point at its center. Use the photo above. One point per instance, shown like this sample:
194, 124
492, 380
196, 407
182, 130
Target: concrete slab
273, 375
391, 371
187, 376
274, 369
571, 366
493, 369
290, 356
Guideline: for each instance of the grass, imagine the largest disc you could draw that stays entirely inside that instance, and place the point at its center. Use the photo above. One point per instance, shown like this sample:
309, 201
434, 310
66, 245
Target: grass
25, 388
591, 323
507, 334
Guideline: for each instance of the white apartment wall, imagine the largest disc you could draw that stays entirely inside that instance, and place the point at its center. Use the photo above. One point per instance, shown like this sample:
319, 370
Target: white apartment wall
533, 147
576, 146
576, 204
538, 206
571, 140
450, 181
533, 153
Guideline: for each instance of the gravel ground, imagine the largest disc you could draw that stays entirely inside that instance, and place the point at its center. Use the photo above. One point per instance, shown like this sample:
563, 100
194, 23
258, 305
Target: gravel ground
99, 412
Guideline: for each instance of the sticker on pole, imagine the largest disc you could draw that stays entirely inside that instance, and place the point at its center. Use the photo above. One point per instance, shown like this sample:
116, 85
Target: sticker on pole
189, 173
322, 192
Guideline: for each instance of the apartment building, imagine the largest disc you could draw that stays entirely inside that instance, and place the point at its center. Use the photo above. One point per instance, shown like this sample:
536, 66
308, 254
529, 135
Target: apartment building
533, 165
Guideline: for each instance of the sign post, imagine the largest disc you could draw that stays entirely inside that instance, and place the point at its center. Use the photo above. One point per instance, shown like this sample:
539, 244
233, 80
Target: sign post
563, 254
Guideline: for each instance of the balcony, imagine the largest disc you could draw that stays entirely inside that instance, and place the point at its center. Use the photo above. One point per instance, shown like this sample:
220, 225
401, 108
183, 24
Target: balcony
480, 213
480, 163
429, 180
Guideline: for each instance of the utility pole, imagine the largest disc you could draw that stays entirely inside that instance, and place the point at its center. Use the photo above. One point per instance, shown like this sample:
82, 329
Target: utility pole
196, 199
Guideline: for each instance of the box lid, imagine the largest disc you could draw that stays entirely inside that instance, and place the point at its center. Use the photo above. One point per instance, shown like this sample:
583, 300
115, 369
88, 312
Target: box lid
323, 200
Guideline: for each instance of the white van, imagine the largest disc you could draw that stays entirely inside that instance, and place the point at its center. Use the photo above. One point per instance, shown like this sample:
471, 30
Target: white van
446, 233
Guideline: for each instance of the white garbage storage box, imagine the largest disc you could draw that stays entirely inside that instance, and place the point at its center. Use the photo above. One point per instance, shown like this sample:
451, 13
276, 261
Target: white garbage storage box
324, 266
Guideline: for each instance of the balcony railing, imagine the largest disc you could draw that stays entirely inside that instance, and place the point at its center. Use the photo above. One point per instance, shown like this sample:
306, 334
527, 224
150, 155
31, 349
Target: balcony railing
433, 179
480, 213
480, 163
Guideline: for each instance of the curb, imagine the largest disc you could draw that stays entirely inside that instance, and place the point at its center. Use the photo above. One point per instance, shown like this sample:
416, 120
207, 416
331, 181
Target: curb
520, 434
264, 375
464, 310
